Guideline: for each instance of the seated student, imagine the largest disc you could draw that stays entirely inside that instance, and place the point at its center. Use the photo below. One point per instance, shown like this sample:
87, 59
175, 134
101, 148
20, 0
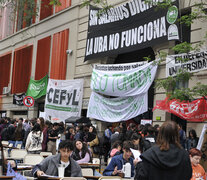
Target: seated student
198, 171
49, 165
116, 164
81, 153
116, 148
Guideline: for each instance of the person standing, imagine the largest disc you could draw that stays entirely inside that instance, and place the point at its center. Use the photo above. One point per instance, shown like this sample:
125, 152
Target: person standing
34, 140
11, 131
19, 134
165, 160
198, 171
192, 140
52, 137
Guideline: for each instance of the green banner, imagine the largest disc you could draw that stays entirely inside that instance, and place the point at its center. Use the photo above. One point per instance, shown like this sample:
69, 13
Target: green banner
37, 88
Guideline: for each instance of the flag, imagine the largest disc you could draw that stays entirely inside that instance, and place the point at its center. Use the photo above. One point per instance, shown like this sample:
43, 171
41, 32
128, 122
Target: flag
37, 88
191, 111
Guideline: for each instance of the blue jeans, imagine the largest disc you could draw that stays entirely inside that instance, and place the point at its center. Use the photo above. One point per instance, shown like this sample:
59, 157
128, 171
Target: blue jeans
13, 143
18, 142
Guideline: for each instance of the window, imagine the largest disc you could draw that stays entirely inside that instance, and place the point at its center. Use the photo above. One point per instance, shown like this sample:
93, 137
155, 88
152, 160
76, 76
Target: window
43, 58
64, 4
59, 56
26, 14
21, 69
46, 9
5, 65
6, 20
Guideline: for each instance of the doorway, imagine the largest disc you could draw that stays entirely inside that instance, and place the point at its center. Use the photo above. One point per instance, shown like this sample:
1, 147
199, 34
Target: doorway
138, 56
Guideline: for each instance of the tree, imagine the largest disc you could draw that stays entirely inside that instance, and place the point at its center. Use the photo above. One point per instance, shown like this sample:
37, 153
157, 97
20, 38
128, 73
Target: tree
27, 7
199, 11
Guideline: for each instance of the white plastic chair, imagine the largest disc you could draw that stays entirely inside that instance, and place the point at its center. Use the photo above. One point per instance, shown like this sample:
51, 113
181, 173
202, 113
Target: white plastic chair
87, 171
33, 159
18, 154
6, 155
19, 146
96, 161
5, 142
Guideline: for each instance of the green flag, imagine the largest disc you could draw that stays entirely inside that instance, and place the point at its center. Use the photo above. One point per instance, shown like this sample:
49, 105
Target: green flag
37, 88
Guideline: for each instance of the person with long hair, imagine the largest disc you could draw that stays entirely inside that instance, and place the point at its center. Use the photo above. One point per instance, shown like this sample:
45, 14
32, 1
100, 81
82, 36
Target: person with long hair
19, 134
192, 140
81, 153
93, 140
41, 122
198, 171
165, 160
34, 140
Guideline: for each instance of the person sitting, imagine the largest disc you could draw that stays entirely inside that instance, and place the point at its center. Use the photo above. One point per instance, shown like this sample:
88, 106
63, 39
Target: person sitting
198, 171
116, 148
116, 164
81, 153
50, 164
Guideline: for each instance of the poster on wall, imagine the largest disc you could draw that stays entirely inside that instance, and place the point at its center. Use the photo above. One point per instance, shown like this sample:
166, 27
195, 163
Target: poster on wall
63, 99
197, 61
18, 99
131, 26
116, 109
123, 79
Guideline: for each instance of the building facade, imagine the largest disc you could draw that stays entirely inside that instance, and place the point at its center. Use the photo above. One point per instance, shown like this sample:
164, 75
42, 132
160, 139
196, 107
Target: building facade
54, 43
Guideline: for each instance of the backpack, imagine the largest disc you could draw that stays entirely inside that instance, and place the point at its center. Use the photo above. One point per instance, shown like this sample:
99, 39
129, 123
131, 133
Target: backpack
5, 134
100, 148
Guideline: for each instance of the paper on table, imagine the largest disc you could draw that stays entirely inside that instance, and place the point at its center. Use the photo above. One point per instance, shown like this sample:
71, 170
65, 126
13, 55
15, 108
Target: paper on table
136, 154
48, 176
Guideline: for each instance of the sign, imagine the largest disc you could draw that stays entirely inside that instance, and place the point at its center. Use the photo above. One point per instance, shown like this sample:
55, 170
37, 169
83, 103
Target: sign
116, 109
37, 88
18, 99
130, 26
123, 79
191, 111
197, 61
201, 138
64, 98
146, 121
28, 101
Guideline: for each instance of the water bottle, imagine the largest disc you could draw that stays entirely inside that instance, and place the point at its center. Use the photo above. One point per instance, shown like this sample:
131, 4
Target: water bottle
127, 170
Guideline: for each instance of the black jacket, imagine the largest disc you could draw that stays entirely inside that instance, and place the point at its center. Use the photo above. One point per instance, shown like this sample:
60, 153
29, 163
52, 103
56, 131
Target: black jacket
173, 164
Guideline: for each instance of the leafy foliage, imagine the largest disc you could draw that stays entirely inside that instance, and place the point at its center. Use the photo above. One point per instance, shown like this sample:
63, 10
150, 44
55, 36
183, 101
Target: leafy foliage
28, 7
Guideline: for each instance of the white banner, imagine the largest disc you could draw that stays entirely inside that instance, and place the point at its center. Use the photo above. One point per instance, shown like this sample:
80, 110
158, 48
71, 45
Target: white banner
116, 109
123, 79
196, 61
63, 99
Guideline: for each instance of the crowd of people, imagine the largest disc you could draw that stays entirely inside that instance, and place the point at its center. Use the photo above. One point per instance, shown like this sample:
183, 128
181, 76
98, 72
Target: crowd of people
166, 152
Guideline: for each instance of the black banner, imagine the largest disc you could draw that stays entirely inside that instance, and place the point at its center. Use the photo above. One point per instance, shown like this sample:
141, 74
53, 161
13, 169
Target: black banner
18, 99
131, 26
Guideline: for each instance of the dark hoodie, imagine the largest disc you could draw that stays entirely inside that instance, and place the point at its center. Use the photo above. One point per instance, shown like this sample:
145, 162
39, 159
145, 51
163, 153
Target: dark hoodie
173, 164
